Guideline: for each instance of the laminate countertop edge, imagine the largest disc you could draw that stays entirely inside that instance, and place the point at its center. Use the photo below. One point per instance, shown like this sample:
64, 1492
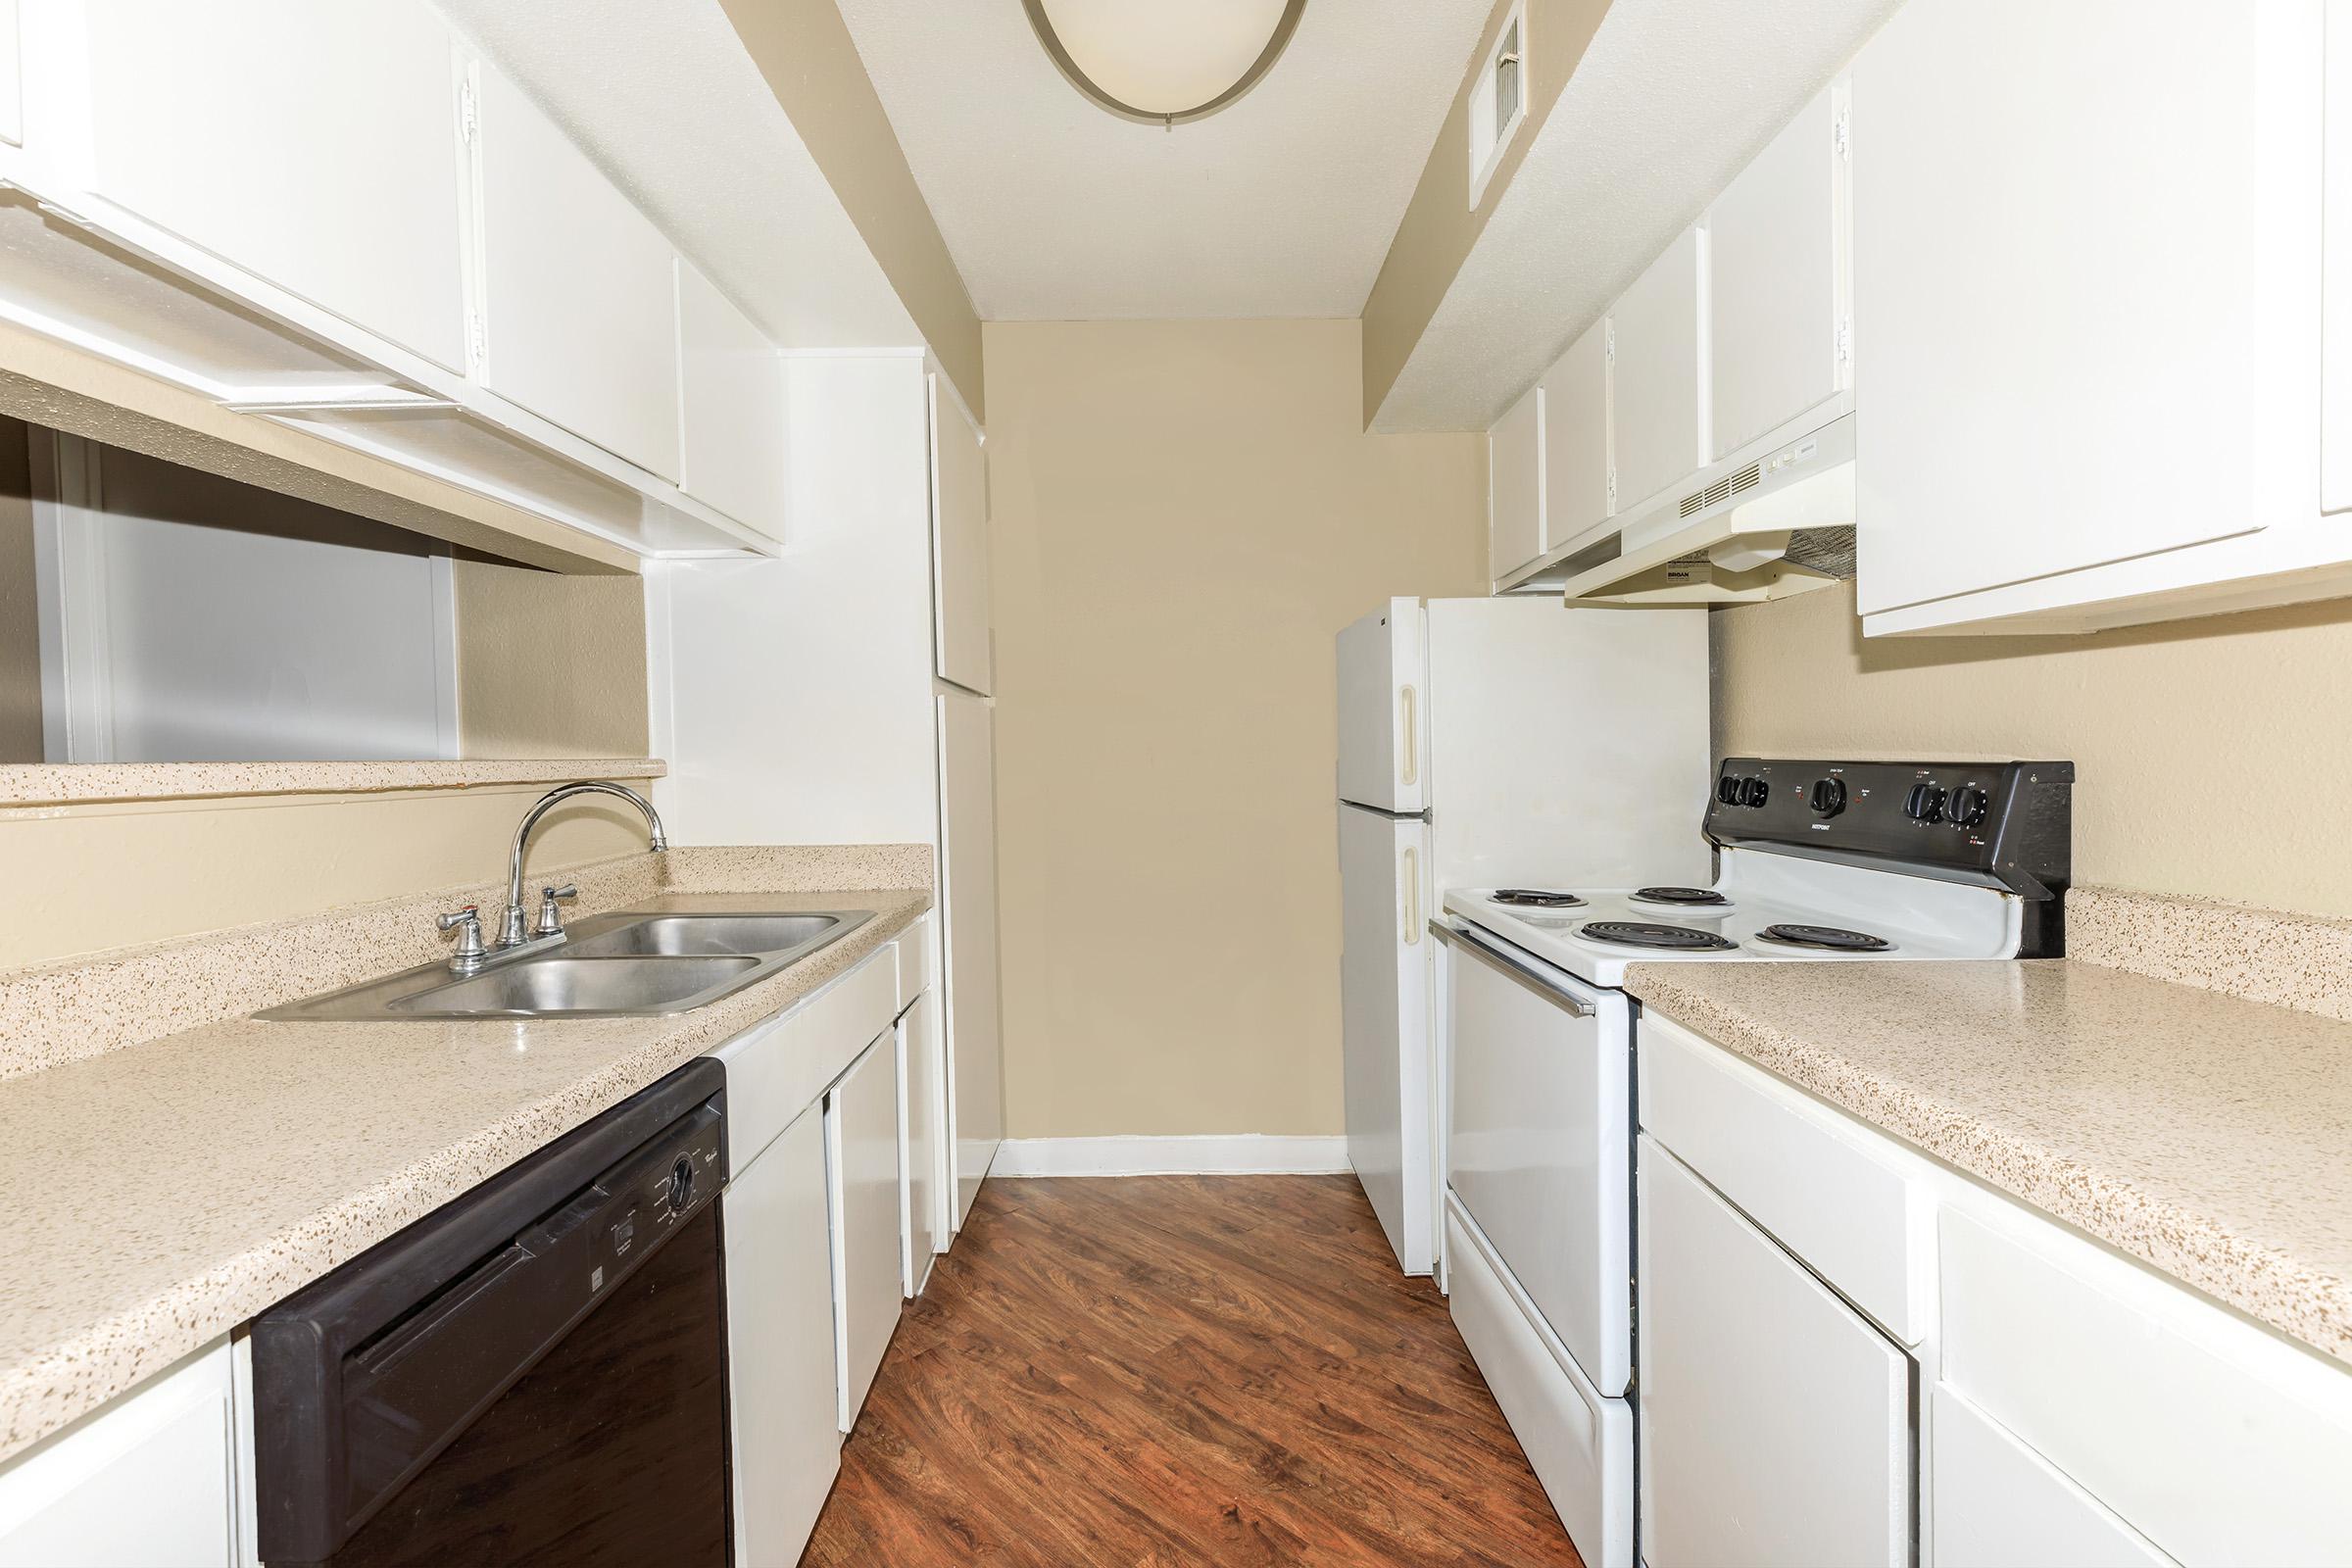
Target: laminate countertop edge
179, 1207
2197, 1133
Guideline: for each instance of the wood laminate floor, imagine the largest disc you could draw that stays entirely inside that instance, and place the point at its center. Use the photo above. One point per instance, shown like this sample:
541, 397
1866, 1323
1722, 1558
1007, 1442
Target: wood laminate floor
1178, 1370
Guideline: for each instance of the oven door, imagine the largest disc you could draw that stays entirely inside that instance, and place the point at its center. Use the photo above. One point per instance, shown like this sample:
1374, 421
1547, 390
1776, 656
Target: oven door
1539, 1147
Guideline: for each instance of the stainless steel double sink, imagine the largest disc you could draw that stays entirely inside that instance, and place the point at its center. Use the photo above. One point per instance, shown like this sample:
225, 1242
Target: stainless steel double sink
627, 965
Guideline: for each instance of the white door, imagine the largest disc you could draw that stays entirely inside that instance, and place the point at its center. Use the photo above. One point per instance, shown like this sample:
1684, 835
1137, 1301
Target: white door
1775, 264
1657, 396
861, 1133
967, 793
314, 145
1776, 1422
960, 567
12, 79
148, 1480
921, 1069
1384, 725
2057, 316
2336, 270
1999, 1504
1384, 1021
1576, 439
783, 1376
1536, 1149
1515, 532
731, 418
580, 314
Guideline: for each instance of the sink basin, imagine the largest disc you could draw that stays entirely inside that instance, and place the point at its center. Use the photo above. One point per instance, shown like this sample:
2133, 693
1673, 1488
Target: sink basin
558, 984
673, 936
639, 964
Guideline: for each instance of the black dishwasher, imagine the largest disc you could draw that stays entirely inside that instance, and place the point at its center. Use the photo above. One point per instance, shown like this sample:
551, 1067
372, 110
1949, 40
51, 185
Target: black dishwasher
534, 1373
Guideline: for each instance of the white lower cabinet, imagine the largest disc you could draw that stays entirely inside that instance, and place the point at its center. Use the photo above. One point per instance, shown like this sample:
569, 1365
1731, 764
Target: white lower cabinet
1999, 1504
862, 1135
784, 1404
148, 1481
1776, 1421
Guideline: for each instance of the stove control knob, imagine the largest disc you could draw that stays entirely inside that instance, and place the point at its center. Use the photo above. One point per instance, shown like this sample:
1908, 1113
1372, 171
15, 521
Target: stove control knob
1726, 789
1827, 798
1966, 806
1754, 792
1925, 803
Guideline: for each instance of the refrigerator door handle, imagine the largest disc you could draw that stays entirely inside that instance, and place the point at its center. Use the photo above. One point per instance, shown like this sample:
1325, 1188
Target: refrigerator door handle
1412, 895
1410, 703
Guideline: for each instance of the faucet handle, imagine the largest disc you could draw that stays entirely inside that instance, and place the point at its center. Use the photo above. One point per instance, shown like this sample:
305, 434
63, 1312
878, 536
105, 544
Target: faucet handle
468, 923
550, 920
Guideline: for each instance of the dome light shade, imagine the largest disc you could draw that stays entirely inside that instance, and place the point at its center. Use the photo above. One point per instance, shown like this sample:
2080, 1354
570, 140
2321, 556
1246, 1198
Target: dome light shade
1163, 62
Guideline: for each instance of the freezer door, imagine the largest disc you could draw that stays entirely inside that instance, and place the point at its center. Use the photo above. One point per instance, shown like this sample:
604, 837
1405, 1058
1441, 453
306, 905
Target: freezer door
1384, 717
1384, 1022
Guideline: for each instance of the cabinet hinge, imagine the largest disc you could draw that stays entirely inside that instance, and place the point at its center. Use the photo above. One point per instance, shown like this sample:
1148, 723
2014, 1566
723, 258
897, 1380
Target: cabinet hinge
1839, 139
477, 341
469, 119
1846, 340
1609, 342
1612, 490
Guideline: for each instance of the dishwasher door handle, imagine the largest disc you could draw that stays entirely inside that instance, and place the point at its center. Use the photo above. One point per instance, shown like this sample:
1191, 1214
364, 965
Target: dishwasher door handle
1462, 939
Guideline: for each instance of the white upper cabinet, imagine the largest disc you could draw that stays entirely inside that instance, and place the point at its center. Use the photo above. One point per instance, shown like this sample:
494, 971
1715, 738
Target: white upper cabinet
316, 146
731, 387
962, 631
2335, 411
1776, 269
1576, 494
2068, 319
1658, 386
11, 77
579, 295
1515, 485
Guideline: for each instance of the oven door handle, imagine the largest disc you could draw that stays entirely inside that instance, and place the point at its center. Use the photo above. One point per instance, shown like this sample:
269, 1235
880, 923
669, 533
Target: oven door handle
1462, 939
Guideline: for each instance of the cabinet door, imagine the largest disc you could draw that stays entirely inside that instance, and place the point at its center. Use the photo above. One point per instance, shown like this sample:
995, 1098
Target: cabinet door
731, 416
921, 1068
2335, 280
148, 1480
11, 77
861, 1121
2056, 325
1576, 439
1658, 422
1776, 1422
1999, 1504
314, 145
959, 545
1515, 485
784, 1400
580, 316
968, 901
1775, 259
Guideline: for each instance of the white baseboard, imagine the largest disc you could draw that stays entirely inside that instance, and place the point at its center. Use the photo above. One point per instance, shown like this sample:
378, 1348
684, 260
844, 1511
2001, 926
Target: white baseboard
1194, 1155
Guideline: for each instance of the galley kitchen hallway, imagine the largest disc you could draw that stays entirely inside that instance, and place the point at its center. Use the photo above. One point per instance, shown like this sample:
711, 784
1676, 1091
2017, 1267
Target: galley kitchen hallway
1181, 1370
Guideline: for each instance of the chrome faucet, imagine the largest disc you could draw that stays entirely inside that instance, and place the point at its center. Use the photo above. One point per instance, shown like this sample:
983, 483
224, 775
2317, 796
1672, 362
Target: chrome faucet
551, 925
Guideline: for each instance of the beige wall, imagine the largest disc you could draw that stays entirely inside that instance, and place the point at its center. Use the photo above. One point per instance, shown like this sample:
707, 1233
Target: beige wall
1439, 226
549, 665
2213, 753
810, 62
1185, 515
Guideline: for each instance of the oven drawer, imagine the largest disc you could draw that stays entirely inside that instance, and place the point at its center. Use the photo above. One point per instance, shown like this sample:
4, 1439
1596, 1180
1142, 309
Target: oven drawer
1539, 1147
2217, 1440
1834, 1192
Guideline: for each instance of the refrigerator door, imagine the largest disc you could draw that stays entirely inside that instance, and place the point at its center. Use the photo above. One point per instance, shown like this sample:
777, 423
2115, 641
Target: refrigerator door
1568, 748
1385, 1024
967, 897
1383, 710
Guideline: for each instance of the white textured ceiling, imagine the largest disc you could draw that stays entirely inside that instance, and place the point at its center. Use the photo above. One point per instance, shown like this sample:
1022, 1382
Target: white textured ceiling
665, 98
1670, 99
1054, 210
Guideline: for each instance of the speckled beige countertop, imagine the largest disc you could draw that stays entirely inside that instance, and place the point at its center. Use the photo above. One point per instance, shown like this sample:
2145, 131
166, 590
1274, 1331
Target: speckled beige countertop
169, 1191
2204, 1134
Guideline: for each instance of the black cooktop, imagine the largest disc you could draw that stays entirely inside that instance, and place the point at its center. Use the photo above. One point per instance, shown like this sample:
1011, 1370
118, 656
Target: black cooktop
1664, 938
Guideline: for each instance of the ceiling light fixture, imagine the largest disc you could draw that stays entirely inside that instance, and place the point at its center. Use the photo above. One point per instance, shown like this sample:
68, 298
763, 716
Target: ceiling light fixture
1149, 60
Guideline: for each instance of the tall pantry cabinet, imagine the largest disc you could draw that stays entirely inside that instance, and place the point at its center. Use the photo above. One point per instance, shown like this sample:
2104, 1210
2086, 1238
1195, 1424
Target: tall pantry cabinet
840, 694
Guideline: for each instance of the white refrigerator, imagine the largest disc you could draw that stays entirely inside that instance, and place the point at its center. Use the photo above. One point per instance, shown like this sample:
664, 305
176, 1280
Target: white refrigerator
1490, 742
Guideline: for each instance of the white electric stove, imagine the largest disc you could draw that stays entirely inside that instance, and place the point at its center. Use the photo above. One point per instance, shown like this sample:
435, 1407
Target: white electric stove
1835, 862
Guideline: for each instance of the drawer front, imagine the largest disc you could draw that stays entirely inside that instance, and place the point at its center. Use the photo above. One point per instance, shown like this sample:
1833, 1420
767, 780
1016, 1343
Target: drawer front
775, 1071
1999, 1504
1830, 1190
2216, 1441
915, 961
